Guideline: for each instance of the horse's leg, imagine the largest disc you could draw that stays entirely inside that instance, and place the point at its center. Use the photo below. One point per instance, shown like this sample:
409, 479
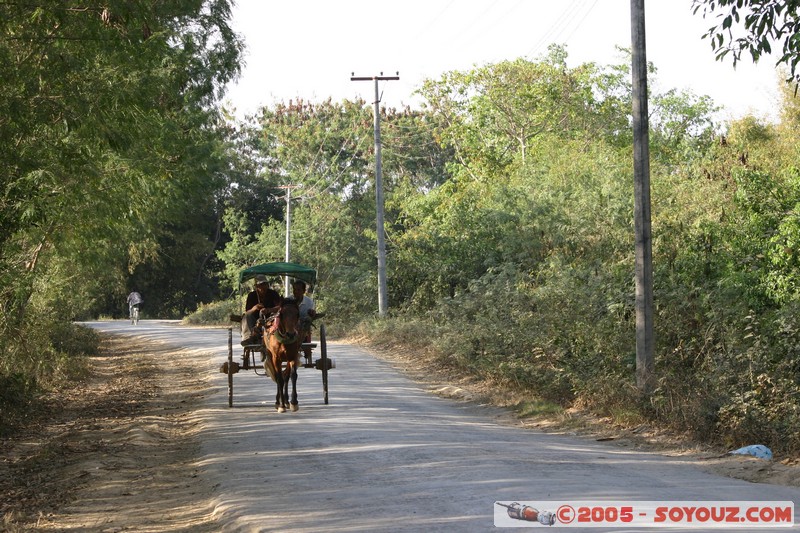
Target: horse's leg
269, 363
286, 378
280, 400
294, 406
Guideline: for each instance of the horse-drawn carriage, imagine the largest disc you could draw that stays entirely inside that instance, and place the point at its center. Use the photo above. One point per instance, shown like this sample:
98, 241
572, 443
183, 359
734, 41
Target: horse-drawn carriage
283, 345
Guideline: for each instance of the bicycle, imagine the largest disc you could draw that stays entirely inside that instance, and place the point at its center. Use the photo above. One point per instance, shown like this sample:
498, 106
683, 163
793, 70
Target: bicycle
135, 315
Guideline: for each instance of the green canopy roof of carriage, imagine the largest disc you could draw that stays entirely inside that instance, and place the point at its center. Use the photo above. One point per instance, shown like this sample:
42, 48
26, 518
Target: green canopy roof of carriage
293, 270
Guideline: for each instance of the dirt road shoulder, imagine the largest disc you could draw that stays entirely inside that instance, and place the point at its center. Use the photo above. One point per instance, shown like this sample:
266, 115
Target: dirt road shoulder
116, 452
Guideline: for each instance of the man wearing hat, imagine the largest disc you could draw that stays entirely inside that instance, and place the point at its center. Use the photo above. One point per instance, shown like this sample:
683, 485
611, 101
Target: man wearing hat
263, 301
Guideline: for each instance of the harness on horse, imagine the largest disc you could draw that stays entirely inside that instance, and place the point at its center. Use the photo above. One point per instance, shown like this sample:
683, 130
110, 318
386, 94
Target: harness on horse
283, 337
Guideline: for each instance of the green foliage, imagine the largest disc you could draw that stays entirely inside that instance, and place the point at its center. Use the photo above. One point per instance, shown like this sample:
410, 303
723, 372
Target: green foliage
682, 127
325, 151
215, 314
490, 116
17, 391
109, 130
538, 408
111, 156
753, 26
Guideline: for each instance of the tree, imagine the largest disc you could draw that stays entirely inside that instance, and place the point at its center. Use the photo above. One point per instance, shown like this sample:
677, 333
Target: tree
491, 116
325, 148
681, 122
110, 138
753, 26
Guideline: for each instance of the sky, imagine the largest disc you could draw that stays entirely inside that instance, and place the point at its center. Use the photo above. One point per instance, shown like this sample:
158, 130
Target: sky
310, 48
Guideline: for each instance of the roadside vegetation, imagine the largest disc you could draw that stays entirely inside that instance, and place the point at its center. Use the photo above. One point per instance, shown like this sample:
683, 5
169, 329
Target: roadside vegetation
508, 220
113, 165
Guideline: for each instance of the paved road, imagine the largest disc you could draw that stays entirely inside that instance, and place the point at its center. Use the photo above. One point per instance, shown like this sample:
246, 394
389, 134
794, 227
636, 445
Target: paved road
386, 456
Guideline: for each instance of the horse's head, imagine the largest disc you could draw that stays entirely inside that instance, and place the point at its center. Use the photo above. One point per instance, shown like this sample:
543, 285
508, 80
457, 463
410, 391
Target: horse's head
284, 329
289, 316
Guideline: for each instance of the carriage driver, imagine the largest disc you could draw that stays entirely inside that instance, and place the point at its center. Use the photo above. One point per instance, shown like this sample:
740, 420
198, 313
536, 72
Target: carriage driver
263, 301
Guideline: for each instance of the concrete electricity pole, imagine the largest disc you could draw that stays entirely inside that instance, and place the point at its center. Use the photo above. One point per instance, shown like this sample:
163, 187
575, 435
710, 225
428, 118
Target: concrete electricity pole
288, 188
645, 342
383, 305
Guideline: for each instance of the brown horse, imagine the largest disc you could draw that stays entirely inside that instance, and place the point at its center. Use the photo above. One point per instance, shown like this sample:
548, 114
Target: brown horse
282, 341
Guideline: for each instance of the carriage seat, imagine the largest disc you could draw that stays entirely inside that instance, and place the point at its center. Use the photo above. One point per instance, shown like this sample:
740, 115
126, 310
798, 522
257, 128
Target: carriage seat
249, 354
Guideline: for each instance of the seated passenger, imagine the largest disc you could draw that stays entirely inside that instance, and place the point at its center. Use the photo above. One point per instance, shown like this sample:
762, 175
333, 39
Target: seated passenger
261, 303
307, 311
305, 303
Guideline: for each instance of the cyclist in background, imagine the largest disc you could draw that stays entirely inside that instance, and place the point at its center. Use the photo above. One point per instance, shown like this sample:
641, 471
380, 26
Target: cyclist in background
134, 301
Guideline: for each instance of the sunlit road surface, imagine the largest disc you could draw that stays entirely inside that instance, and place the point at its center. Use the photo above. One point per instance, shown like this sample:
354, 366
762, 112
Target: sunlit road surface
385, 455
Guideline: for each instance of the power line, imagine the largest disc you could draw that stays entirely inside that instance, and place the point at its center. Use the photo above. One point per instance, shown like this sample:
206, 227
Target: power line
557, 27
480, 17
580, 22
433, 20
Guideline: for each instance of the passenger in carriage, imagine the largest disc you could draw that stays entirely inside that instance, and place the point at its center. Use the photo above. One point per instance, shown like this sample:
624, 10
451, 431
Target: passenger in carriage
304, 302
261, 302
307, 311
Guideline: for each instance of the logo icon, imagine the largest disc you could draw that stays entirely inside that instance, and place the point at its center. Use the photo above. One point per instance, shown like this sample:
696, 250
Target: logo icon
517, 511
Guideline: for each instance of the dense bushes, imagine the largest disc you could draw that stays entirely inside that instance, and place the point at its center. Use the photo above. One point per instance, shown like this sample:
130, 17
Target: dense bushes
217, 313
36, 359
727, 359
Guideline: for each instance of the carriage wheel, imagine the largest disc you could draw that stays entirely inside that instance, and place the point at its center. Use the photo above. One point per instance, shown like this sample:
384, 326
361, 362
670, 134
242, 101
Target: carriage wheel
324, 362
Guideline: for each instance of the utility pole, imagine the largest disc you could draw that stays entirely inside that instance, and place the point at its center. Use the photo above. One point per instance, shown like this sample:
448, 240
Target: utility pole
287, 255
645, 342
382, 290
